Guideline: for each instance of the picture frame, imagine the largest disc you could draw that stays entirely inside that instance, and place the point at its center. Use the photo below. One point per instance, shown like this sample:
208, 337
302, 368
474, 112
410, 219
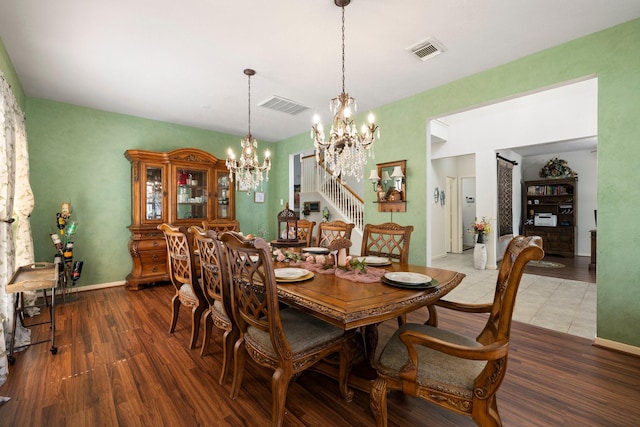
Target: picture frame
258, 197
312, 206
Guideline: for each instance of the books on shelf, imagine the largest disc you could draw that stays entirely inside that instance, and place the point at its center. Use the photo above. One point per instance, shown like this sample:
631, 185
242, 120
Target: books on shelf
549, 190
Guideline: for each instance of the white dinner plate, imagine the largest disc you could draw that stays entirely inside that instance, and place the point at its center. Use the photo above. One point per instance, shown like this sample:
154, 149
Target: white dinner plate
407, 277
316, 250
290, 273
374, 260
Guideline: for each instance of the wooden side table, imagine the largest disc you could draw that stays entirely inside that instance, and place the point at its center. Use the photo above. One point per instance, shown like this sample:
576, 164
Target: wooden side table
33, 277
594, 241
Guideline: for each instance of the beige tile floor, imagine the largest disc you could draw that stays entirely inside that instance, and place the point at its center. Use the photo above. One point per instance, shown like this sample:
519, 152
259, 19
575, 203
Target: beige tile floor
559, 304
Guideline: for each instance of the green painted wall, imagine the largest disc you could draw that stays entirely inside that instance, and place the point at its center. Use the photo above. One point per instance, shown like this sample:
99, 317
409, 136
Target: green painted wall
614, 56
77, 155
10, 75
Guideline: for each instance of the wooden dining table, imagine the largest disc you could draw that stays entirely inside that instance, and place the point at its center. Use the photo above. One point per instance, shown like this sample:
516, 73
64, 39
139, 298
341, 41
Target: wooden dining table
351, 305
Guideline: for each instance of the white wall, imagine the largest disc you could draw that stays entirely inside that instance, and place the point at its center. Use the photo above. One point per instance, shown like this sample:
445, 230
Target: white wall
558, 114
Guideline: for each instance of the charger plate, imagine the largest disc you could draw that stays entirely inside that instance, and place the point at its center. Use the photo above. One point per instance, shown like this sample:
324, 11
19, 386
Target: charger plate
307, 276
290, 273
432, 284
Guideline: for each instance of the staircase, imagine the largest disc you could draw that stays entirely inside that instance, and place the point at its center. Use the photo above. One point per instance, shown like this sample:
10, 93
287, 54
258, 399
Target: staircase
316, 178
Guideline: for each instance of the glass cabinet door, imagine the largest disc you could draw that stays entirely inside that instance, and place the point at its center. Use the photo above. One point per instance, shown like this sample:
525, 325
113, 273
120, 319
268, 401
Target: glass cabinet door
192, 194
223, 207
154, 193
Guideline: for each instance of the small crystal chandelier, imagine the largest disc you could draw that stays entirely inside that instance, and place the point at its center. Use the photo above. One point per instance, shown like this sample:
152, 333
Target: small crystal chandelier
248, 172
346, 151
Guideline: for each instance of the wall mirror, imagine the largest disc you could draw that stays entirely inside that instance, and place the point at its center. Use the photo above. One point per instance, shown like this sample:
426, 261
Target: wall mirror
391, 186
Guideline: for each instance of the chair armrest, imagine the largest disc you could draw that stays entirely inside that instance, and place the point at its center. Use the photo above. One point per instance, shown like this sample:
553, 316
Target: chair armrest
467, 308
492, 351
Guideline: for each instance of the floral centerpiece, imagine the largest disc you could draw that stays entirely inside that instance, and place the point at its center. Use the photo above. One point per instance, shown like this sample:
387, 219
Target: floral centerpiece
481, 228
557, 168
281, 255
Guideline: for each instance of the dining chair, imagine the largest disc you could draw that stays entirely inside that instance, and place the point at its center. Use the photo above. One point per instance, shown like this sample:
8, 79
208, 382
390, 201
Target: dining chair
330, 231
287, 341
305, 230
221, 225
181, 272
214, 279
387, 240
456, 372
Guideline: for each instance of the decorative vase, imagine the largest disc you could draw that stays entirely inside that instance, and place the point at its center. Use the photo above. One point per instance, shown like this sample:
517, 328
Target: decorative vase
480, 238
480, 255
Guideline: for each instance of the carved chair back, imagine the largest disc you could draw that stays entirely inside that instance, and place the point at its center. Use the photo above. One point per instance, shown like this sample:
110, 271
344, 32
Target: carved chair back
221, 225
387, 240
179, 253
305, 230
330, 231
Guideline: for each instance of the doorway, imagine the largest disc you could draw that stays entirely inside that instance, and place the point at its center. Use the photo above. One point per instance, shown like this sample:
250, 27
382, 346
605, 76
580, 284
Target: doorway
468, 209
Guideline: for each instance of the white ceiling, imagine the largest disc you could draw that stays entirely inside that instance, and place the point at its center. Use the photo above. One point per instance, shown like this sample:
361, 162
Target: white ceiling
182, 62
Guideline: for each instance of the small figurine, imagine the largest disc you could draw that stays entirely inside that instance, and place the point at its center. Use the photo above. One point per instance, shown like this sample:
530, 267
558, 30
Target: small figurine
339, 248
381, 193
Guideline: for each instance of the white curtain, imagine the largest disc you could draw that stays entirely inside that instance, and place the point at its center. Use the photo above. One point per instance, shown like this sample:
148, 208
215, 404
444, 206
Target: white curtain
16, 204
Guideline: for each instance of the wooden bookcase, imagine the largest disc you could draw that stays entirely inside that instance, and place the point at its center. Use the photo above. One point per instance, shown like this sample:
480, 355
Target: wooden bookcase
182, 187
557, 197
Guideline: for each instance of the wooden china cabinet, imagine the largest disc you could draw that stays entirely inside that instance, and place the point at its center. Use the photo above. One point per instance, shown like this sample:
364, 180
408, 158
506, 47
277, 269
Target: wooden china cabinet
182, 187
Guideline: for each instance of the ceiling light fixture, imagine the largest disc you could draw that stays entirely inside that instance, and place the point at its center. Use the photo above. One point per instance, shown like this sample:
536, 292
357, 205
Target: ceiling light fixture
347, 149
248, 172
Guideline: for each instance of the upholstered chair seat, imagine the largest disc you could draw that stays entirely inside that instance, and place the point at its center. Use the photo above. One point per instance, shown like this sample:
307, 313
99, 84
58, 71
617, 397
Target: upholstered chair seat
435, 369
303, 332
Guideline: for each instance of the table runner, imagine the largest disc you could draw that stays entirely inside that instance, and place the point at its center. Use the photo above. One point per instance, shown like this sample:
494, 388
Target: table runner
371, 275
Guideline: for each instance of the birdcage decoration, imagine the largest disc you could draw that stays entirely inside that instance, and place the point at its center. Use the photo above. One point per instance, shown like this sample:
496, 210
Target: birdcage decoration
287, 225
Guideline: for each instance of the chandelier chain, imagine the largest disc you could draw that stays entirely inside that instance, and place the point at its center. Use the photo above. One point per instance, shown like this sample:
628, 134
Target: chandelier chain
343, 73
249, 104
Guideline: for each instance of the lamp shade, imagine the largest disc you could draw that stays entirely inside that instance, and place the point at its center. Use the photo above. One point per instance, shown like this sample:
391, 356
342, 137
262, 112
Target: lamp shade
385, 176
373, 176
397, 172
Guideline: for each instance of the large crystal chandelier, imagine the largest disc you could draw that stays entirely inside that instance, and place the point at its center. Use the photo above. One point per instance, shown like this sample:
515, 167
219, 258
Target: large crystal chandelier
247, 172
346, 151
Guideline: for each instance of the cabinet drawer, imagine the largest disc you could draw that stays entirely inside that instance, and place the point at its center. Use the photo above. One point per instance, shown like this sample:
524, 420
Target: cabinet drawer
153, 269
153, 257
153, 262
152, 245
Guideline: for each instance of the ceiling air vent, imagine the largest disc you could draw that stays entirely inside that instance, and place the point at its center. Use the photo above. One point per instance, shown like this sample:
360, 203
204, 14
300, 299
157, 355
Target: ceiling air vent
427, 49
283, 105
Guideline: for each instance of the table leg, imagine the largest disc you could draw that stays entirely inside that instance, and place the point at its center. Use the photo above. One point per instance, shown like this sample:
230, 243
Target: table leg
371, 343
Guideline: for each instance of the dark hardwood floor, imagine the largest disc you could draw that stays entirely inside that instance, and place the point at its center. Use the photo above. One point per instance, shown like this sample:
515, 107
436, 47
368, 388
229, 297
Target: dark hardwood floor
576, 268
118, 366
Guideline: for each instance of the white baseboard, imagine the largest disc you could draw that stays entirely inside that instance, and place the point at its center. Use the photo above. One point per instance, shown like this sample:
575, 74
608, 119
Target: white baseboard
98, 286
617, 346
